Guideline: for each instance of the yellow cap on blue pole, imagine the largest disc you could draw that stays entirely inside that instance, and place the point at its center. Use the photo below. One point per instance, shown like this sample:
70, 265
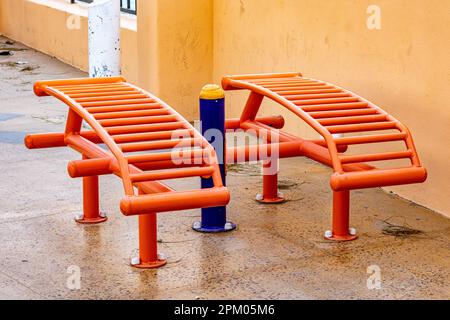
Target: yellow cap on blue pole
212, 92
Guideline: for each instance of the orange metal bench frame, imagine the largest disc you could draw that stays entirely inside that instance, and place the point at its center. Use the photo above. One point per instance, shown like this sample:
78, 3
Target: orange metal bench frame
329, 110
128, 120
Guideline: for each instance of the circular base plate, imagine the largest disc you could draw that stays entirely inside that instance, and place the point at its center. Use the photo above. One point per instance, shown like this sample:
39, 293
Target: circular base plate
278, 200
92, 221
227, 228
150, 265
342, 238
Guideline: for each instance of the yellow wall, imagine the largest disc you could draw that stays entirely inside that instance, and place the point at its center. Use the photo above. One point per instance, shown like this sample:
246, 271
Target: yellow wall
42, 24
183, 44
175, 40
404, 67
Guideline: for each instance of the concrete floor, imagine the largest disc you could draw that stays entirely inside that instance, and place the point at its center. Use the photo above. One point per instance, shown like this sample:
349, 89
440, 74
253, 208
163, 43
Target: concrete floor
278, 252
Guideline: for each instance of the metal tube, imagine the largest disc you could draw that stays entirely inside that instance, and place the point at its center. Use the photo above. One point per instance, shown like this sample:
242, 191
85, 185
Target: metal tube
341, 218
212, 117
270, 193
91, 206
148, 242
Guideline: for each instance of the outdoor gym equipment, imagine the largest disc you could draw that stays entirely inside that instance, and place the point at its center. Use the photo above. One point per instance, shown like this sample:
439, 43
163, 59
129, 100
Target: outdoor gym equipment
331, 111
146, 142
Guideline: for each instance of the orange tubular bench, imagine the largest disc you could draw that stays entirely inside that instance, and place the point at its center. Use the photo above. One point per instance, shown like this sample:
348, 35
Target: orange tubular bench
332, 112
147, 142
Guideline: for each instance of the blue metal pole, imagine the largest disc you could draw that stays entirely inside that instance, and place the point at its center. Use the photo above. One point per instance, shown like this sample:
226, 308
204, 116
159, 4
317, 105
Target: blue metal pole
212, 119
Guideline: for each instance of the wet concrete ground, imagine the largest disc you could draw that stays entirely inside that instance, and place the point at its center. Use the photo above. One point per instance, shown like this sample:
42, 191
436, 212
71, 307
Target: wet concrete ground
278, 252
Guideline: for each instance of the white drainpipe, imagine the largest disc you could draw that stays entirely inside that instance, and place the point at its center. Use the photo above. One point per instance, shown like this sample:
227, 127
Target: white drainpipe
104, 38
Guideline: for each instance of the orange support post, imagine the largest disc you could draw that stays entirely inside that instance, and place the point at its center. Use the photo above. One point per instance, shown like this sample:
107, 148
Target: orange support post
341, 218
91, 207
270, 194
148, 243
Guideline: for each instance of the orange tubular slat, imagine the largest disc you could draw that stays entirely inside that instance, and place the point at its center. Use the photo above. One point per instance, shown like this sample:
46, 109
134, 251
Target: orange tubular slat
294, 91
116, 102
335, 107
342, 113
131, 107
135, 121
173, 174
115, 97
352, 120
293, 96
145, 128
160, 145
102, 94
151, 136
129, 114
375, 157
362, 127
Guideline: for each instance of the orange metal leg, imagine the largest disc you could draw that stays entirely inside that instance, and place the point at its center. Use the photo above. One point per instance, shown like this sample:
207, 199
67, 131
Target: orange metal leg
341, 218
91, 208
148, 243
270, 194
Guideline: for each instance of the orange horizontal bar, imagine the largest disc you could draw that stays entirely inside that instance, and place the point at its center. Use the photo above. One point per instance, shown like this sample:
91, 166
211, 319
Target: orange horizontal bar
104, 94
118, 88
136, 121
326, 101
160, 145
352, 120
39, 86
370, 139
304, 92
163, 156
131, 107
174, 201
111, 98
280, 81
173, 174
130, 114
162, 165
151, 136
110, 87
376, 157
294, 86
343, 113
300, 98
145, 128
290, 91
363, 127
117, 102
377, 178
82, 82
335, 107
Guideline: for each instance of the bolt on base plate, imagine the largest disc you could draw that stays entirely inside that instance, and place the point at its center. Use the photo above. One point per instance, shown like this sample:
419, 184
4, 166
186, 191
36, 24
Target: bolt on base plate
81, 220
278, 200
161, 262
229, 226
350, 237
